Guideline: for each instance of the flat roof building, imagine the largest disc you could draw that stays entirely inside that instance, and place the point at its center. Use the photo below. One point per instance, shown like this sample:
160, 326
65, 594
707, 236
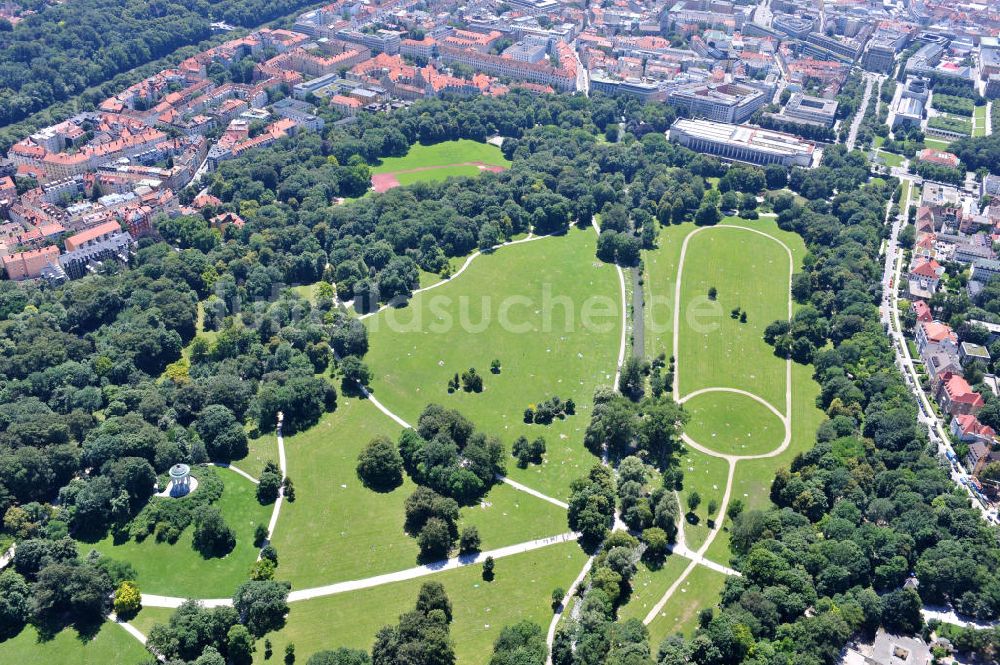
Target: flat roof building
642, 90
880, 56
723, 102
814, 109
989, 61
526, 51
909, 112
742, 143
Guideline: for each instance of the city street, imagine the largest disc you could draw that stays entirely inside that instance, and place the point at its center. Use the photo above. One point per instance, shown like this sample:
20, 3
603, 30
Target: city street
937, 428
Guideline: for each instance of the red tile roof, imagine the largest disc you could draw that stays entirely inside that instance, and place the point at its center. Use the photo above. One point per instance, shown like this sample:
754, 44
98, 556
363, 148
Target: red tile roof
960, 391
83, 237
928, 268
935, 331
970, 425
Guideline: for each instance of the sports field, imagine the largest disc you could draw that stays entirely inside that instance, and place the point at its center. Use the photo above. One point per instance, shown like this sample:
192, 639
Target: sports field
547, 309
178, 569
438, 162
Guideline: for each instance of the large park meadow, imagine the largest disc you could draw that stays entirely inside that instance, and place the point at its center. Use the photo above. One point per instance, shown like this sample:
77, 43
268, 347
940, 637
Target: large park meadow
560, 322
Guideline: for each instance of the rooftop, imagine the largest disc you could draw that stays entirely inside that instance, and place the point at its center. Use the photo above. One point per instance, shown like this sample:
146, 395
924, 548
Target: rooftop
764, 140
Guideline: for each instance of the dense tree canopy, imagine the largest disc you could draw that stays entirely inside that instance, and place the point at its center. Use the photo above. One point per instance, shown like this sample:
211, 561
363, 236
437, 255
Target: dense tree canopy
64, 48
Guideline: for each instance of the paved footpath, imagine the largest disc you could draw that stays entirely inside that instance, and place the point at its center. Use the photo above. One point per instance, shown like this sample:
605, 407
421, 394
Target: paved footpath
224, 465
468, 261
698, 557
151, 600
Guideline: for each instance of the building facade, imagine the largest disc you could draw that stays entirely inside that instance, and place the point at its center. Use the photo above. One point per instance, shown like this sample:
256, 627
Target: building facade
742, 143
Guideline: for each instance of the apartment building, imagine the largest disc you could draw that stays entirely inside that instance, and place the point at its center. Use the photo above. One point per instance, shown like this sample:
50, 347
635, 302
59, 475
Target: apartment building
561, 78
30, 264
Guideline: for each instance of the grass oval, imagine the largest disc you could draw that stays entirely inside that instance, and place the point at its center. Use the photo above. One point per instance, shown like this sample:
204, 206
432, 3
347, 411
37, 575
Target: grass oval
733, 424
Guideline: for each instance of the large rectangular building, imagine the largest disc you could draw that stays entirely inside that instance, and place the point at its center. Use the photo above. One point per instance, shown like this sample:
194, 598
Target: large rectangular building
641, 90
742, 143
842, 46
813, 109
880, 56
722, 102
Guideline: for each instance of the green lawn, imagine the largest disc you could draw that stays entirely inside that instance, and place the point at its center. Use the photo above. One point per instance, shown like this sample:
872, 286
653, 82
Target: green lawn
680, 615
111, 645
718, 264
547, 309
733, 424
521, 590
937, 144
149, 617
891, 159
338, 530
179, 570
752, 481
263, 449
749, 271
443, 154
507, 516
648, 586
980, 120
305, 291
705, 475
438, 174
952, 123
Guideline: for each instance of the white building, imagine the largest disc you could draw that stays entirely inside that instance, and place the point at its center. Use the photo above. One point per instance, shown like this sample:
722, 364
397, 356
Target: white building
742, 143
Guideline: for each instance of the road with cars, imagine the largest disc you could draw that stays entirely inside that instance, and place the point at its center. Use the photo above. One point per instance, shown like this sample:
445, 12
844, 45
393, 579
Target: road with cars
937, 428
